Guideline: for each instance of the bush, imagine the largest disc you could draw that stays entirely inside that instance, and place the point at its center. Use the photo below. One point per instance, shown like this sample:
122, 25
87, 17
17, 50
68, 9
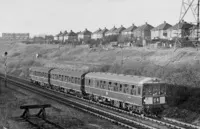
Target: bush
15, 54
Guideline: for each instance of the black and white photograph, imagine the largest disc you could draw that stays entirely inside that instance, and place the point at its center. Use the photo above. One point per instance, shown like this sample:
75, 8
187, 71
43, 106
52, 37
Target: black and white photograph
99, 64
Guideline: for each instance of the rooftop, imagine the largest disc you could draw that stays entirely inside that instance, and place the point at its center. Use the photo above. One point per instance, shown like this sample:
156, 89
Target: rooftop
163, 26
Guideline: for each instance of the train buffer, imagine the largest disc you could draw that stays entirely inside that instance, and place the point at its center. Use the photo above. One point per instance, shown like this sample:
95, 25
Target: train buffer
40, 114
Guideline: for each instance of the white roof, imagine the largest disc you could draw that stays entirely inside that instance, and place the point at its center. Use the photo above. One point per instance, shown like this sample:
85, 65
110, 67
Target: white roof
130, 79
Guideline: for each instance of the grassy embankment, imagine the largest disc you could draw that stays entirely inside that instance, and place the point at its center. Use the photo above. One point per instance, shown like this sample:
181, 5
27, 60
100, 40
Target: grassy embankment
180, 68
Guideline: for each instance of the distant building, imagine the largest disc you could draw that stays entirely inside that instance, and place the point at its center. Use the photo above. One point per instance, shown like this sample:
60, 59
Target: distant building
49, 38
85, 35
72, 36
180, 30
144, 31
96, 35
15, 36
56, 37
160, 32
118, 30
101, 34
60, 38
111, 32
65, 36
193, 32
128, 33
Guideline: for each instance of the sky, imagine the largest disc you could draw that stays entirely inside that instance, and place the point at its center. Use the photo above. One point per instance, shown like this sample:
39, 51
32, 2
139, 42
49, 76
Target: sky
52, 16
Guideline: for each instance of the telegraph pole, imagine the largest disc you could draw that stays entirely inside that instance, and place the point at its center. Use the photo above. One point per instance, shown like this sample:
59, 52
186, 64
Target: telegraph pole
5, 64
122, 56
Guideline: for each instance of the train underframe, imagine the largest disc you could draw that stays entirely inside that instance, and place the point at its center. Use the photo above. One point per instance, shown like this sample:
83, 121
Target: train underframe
147, 110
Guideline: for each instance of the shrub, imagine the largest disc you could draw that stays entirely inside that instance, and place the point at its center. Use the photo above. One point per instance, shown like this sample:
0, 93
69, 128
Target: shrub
15, 54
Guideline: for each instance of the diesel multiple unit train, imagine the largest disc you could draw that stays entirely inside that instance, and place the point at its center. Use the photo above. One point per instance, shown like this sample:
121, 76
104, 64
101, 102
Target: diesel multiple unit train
139, 94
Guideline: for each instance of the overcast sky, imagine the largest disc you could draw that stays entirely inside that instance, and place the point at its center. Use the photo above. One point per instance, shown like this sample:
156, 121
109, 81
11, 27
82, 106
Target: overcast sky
51, 16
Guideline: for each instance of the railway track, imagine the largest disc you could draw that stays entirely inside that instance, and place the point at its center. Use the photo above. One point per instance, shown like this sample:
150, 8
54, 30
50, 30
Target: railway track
83, 106
115, 115
39, 123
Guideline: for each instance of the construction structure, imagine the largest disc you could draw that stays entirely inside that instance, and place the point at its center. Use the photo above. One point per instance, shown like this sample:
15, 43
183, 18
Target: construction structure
191, 6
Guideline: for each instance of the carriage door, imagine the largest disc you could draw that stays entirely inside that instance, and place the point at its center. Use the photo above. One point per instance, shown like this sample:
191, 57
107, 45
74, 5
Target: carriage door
83, 85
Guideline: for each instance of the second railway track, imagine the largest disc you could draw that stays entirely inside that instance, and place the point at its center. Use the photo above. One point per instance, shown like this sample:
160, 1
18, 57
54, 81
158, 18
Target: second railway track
121, 117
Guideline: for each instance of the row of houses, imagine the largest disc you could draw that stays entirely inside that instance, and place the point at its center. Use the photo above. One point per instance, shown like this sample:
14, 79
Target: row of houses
146, 31
15, 36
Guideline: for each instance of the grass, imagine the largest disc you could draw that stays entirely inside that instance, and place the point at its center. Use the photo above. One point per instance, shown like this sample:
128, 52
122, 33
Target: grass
67, 117
180, 68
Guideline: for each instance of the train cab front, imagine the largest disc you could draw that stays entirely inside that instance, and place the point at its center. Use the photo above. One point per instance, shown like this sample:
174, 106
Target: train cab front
154, 98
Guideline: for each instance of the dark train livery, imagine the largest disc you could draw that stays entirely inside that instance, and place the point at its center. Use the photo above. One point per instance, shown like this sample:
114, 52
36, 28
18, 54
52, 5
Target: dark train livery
134, 93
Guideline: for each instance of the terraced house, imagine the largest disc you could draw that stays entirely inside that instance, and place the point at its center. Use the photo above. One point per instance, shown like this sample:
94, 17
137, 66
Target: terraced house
160, 32
143, 32
96, 35
181, 30
111, 32
101, 34
193, 32
72, 36
64, 35
128, 33
60, 36
85, 35
119, 30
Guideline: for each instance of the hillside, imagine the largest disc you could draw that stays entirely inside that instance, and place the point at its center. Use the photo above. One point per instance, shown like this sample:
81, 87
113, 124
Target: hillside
180, 67
141, 61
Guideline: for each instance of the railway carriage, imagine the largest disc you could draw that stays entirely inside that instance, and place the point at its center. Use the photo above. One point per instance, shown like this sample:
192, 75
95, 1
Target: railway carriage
39, 75
134, 93
67, 80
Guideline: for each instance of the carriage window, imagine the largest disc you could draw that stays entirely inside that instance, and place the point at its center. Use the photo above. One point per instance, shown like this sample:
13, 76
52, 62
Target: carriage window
110, 86
125, 88
133, 90
89, 82
80, 80
139, 90
148, 90
73, 80
120, 88
67, 78
156, 90
104, 85
101, 84
115, 87
162, 89
97, 83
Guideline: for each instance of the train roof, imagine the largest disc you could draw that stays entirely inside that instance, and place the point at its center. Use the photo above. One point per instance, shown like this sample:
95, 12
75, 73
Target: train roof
40, 69
68, 72
132, 79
